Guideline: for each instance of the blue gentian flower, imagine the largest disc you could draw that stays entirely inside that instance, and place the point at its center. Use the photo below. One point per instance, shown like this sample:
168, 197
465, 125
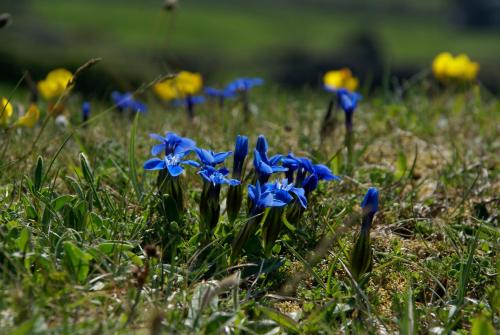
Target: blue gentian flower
265, 167
219, 93
318, 172
222, 95
324, 173
263, 198
348, 100
210, 158
244, 84
302, 165
283, 191
172, 162
126, 101
217, 176
189, 101
85, 111
240, 153
171, 144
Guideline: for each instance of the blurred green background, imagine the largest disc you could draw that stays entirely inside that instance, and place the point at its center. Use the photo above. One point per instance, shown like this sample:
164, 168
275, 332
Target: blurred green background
291, 42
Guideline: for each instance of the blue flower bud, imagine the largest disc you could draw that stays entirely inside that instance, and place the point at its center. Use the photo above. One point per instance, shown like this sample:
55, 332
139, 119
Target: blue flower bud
361, 255
85, 111
262, 145
240, 153
370, 207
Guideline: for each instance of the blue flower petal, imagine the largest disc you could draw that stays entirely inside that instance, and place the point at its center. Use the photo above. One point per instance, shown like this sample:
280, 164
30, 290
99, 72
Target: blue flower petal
154, 164
233, 182
157, 137
300, 193
190, 163
175, 170
221, 157
157, 149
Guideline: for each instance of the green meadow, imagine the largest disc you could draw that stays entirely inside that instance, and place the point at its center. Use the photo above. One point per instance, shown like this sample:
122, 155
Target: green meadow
92, 241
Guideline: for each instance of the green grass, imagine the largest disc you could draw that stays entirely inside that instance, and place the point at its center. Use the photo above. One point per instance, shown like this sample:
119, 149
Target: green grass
74, 224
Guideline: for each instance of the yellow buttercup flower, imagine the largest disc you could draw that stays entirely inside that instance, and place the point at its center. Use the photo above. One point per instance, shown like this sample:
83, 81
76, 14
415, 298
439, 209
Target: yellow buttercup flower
6, 111
445, 67
184, 84
440, 64
54, 84
342, 78
30, 118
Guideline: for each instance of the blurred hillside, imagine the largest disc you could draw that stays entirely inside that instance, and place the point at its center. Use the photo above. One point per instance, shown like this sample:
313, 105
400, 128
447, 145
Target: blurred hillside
292, 42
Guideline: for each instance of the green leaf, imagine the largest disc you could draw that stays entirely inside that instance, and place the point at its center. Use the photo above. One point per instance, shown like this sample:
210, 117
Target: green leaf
401, 166
89, 177
37, 178
78, 261
23, 240
110, 248
481, 326
408, 326
131, 160
281, 319
87, 172
58, 203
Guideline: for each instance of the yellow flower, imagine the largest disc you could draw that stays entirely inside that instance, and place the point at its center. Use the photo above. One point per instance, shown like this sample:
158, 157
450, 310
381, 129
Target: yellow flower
440, 65
184, 84
54, 84
465, 69
342, 78
6, 111
460, 68
30, 118
165, 90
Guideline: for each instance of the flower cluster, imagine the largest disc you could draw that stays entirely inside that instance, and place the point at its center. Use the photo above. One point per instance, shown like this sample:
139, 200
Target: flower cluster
447, 68
184, 90
286, 195
343, 85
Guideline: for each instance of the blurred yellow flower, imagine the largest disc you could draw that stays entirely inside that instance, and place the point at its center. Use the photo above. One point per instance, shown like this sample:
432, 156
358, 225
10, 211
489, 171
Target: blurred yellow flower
184, 84
343, 78
460, 68
54, 84
6, 111
30, 118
